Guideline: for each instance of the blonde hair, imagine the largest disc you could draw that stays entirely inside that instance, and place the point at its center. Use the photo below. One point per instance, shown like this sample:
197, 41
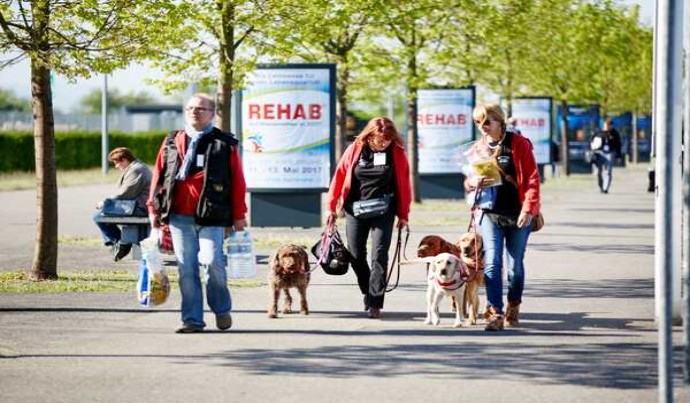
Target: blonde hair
380, 127
489, 111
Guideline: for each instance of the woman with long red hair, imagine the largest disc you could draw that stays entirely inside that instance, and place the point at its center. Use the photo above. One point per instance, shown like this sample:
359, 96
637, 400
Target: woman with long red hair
372, 171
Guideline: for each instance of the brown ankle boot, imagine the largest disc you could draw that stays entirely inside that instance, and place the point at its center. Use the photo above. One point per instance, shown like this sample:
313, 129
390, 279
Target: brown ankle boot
513, 314
495, 320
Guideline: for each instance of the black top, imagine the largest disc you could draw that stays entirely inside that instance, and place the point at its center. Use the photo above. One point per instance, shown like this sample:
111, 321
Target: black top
507, 196
610, 141
372, 177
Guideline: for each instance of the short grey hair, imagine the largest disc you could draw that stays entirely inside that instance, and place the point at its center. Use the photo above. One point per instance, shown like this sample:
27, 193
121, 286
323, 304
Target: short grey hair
207, 98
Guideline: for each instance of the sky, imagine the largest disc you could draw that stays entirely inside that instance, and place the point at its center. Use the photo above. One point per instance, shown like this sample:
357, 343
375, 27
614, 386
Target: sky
66, 95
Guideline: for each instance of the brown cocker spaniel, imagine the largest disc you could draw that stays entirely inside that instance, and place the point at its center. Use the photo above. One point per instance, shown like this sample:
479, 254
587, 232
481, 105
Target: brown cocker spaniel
288, 268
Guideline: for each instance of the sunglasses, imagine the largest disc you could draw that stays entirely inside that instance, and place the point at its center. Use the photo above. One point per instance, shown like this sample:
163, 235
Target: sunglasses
486, 122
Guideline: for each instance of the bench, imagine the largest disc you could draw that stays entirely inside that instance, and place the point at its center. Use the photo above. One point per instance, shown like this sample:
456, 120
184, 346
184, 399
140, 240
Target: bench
133, 228
131, 220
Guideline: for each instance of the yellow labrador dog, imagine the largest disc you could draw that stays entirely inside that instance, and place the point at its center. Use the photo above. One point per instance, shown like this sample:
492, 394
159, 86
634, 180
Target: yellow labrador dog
447, 277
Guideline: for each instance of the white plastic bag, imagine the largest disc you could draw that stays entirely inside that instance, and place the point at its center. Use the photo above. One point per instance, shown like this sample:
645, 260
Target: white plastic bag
153, 285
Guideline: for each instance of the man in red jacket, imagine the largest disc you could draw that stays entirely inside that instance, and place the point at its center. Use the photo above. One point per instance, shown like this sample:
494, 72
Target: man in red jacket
198, 188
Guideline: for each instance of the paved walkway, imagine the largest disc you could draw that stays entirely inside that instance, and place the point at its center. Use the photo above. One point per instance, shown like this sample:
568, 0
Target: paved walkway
588, 329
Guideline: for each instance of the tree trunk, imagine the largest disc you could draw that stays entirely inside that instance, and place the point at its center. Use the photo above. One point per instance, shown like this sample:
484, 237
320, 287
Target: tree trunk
44, 264
564, 139
341, 125
412, 149
509, 84
225, 74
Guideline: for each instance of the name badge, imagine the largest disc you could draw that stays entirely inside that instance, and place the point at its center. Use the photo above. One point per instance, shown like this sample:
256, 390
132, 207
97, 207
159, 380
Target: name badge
200, 160
379, 159
606, 148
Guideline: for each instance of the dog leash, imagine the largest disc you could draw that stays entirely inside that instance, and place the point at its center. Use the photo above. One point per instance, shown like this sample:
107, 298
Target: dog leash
396, 259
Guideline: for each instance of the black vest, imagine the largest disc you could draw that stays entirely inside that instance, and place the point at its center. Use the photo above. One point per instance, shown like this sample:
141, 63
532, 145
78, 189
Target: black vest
214, 208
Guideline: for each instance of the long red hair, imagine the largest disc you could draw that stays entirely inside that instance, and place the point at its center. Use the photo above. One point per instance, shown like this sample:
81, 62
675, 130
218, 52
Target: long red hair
380, 127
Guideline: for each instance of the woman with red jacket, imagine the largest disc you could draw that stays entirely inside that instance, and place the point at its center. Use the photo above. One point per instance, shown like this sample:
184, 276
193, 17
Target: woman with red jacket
373, 168
506, 215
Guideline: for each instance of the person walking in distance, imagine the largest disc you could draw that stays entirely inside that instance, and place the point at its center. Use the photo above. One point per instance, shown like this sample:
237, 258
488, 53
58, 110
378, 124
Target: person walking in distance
606, 147
198, 188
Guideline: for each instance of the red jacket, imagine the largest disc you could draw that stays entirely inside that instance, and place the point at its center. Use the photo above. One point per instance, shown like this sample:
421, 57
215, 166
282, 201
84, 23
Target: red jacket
187, 192
527, 174
342, 179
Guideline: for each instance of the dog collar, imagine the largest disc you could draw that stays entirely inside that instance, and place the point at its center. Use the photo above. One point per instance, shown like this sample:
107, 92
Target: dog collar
447, 285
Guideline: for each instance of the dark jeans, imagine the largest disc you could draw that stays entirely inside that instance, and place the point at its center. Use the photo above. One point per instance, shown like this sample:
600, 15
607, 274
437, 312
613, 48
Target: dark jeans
372, 281
110, 233
604, 165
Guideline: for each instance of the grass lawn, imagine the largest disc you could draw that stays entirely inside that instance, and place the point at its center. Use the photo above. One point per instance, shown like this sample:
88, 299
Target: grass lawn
27, 180
13, 282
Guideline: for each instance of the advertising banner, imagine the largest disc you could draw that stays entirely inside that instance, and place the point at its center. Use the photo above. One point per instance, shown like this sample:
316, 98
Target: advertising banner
533, 120
287, 125
444, 125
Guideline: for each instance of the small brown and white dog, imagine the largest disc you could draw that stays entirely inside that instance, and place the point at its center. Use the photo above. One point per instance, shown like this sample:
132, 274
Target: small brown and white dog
472, 255
288, 268
446, 277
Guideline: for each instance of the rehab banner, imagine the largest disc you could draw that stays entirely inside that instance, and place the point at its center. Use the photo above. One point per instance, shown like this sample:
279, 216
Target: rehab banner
534, 116
287, 126
444, 125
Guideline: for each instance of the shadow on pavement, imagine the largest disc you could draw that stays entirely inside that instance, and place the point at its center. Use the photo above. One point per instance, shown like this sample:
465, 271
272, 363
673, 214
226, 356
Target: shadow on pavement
565, 288
598, 248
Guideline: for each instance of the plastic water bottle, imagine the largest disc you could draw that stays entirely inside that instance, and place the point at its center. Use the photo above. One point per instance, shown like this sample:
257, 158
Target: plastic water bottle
241, 255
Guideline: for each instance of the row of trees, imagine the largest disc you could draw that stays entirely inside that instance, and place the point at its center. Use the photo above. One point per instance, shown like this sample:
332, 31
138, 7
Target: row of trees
573, 50
11, 102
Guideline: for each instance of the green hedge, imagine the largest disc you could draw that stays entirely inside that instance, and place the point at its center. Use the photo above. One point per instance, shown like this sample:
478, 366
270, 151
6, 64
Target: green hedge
75, 150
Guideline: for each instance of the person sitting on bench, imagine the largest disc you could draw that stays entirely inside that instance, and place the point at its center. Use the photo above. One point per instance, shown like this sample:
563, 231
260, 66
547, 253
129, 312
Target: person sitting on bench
134, 184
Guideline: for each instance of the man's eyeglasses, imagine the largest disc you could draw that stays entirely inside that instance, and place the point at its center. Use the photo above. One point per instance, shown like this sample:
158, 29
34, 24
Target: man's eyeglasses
197, 109
486, 122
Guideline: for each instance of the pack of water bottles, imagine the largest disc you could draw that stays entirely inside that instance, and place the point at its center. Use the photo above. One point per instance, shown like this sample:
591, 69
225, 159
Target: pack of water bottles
240, 255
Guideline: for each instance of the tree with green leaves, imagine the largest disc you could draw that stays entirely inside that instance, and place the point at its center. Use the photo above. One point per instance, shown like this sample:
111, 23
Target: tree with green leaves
219, 42
506, 30
74, 39
92, 101
559, 49
409, 31
328, 31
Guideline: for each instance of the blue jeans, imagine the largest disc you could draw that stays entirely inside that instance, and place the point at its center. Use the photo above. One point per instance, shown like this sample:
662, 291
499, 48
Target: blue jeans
109, 232
199, 246
515, 240
604, 164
